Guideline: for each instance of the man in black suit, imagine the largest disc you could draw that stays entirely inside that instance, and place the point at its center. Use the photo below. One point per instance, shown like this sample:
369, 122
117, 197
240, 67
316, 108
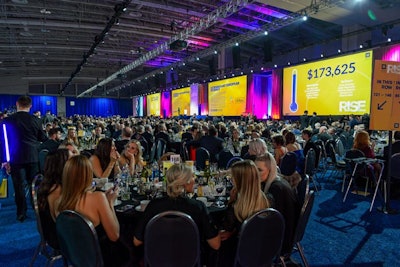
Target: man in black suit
304, 120
212, 143
24, 133
53, 142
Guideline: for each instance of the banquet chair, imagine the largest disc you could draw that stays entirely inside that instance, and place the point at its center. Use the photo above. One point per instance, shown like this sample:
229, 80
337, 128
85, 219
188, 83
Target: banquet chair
160, 148
310, 167
42, 159
145, 149
233, 160
355, 168
260, 239
202, 155
302, 225
172, 239
51, 253
285, 162
223, 159
337, 165
78, 240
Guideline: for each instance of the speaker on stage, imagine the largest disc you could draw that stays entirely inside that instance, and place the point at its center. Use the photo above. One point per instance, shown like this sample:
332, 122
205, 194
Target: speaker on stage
236, 57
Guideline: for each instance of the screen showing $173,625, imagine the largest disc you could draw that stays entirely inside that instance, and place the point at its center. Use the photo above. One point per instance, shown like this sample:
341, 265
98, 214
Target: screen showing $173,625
340, 85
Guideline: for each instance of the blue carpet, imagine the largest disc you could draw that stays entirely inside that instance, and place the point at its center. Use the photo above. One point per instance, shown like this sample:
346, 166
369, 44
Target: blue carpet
338, 234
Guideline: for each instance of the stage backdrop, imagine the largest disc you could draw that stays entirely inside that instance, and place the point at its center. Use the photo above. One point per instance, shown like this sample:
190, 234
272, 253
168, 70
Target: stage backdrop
227, 97
181, 101
153, 104
340, 85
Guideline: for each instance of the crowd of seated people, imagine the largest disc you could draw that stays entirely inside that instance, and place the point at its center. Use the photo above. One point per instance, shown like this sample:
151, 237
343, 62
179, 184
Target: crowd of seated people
262, 142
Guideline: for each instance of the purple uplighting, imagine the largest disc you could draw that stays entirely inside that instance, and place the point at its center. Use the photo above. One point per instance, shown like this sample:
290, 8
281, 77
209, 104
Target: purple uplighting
392, 54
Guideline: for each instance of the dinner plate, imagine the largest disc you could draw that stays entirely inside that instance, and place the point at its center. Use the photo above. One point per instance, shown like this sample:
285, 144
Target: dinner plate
117, 202
138, 208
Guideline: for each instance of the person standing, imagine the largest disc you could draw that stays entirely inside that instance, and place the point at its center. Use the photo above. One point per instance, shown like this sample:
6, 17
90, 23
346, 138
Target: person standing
304, 120
24, 132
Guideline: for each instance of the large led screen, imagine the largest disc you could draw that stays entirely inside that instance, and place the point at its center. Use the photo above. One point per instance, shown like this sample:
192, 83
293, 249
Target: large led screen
336, 86
153, 104
227, 97
181, 101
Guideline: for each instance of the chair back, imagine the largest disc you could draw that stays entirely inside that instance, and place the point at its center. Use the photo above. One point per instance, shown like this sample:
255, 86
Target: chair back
304, 216
352, 154
78, 240
309, 165
303, 188
339, 147
184, 151
260, 239
34, 189
288, 163
42, 159
223, 159
145, 148
47, 247
171, 239
202, 155
395, 166
160, 148
233, 160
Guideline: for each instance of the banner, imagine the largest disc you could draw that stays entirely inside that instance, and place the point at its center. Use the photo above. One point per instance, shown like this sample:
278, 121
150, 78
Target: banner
385, 103
337, 86
153, 104
227, 97
181, 101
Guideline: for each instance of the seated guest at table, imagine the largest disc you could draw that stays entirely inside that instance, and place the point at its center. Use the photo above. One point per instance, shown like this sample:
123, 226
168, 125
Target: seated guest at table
308, 143
49, 191
71, 147
105, 159
132, 157
278, 143
246, 199
180, 180
233, 143
293, 146
72, 137
148, 135
77, 194
53, 142
290, 142
256, 147
362, 142
284, 198
212, 143
126, 134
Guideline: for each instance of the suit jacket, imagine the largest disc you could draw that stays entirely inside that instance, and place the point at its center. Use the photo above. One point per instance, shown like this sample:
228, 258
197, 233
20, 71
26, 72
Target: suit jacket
213, 144
51, 145
24, 132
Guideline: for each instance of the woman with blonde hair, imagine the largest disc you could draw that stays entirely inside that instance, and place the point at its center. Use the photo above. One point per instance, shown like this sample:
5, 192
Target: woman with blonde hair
284, 198
257, 147
180, 180
246, 199
132, 157
77, 194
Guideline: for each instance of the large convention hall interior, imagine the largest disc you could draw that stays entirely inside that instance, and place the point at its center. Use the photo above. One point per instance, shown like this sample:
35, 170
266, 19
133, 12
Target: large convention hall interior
243, 64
